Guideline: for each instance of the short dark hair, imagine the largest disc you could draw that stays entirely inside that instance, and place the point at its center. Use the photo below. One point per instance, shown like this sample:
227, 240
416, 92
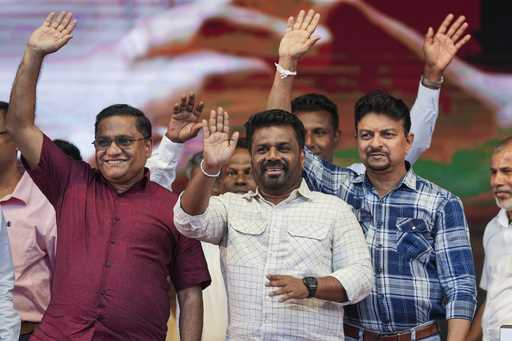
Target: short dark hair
70, 149
142, 122
380, 102
242, 143
316, 102
4, 106
275, 117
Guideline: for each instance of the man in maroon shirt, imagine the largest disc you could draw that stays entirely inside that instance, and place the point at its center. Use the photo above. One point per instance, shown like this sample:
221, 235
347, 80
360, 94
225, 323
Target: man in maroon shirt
117, 243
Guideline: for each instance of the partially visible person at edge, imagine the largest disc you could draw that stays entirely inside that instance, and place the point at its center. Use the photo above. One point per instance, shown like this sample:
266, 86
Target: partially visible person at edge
9, 318
114, 225
496, 309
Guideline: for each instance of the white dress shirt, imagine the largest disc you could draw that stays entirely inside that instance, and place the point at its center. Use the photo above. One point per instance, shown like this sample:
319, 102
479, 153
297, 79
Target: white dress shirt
308, 234
497, 276
9, 318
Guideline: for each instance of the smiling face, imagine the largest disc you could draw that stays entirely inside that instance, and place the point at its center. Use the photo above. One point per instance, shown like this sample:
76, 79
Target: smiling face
121, 166
321, 137
382, 143
501, 177
236, 175
277, 159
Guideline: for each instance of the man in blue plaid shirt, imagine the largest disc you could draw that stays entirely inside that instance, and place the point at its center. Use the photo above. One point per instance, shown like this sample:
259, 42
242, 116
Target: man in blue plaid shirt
416, 231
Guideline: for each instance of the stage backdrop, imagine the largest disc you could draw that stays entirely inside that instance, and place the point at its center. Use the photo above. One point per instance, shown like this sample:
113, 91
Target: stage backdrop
149, 52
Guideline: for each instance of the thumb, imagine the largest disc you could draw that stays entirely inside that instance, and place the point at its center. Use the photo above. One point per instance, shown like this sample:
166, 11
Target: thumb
429, 36
195, 128
234, 140
312, 41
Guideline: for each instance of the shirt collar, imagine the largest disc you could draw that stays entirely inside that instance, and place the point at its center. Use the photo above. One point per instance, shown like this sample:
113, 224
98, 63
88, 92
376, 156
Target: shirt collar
22, 191
503, 218
409, 179
303, 190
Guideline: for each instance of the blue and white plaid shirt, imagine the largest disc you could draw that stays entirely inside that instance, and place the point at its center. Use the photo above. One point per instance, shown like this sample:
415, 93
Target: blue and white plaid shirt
419, 244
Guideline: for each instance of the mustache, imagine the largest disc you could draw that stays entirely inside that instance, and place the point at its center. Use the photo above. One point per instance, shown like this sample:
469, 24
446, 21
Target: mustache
274, 163
371, 150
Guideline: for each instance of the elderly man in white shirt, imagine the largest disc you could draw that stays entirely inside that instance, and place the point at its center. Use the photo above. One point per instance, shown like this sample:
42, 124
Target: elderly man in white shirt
496, 280
9, 318
291, 258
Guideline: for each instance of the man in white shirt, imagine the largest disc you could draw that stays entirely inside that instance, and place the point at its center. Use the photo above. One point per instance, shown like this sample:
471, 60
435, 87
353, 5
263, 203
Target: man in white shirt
291, 258
496, 280
9, 319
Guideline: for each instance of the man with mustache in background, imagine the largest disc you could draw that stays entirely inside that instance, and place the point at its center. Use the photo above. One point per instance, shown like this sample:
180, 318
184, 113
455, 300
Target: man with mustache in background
496, 310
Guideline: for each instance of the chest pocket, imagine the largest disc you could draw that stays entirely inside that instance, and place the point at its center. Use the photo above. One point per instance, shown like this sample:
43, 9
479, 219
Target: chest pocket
414, 238
246, 241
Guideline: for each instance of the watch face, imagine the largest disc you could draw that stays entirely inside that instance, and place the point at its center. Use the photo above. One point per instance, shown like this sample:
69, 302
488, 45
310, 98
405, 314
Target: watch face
310, 281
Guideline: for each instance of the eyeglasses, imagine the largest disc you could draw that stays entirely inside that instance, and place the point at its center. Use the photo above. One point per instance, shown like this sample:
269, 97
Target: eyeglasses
121, 141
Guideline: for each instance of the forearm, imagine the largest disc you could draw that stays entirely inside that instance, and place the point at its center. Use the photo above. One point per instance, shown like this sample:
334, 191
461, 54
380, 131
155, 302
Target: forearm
475, 333
191, 314
329, 288
23, 94
196, 197
458, 329
280, 96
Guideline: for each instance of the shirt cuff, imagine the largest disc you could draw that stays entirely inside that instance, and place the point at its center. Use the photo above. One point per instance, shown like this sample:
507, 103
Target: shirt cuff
357, 286
164, 161
186, 223
427, 96
462, 308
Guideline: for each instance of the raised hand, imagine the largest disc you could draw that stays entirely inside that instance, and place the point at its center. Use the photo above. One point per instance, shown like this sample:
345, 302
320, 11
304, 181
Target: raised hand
54, 33
218, 145
185, 120
440, 48
298, 38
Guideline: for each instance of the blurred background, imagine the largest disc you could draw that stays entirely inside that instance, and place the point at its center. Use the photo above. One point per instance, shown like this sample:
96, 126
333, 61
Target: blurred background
149, 52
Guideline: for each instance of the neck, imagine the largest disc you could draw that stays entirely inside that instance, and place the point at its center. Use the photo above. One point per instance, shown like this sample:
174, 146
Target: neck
276, 198
9, 178
386, 180
125, 186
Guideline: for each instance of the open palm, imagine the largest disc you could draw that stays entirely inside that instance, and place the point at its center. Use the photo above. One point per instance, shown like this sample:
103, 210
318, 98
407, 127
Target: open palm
54, 33
442, 47
185, 123
298, 37
218, 146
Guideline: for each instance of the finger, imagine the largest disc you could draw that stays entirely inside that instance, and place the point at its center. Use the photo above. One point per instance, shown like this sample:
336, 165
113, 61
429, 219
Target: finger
462, 42
274, 277
183, 103
444, 25
65, 22
206, 131
455, 26
298, 22
69, 28
220, 120
313, 24
64, 40
191, 100
286, 297
289, 24
199, 110
429, 36
213, 120
307, 20
234, 140
280, 291
196, 128
311, 41
226, 123
460, 32
49, 19
57, 20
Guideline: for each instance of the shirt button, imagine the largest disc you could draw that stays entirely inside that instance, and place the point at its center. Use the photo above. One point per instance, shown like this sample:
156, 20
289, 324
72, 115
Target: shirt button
108, 263
112, 242
378, 270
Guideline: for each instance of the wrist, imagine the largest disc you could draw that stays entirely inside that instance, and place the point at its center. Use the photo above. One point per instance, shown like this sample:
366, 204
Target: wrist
173, 140
211, 171
31, 52
432, 74
311, 284
288, 63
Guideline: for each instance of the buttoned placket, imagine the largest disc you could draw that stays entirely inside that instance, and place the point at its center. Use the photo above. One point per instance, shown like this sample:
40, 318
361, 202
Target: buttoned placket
114, 226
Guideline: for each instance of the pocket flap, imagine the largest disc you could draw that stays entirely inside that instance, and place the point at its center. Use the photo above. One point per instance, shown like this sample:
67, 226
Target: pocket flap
412, 225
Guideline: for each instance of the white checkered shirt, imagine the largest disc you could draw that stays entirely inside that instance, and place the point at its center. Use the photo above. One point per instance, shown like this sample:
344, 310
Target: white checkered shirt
308, 234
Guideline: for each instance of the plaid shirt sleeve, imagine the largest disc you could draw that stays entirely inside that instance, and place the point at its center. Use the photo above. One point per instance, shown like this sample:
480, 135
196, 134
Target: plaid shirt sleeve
323, 176
455, 261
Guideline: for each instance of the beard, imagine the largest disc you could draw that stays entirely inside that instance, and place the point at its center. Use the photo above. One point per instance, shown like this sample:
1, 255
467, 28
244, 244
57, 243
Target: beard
505, 204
